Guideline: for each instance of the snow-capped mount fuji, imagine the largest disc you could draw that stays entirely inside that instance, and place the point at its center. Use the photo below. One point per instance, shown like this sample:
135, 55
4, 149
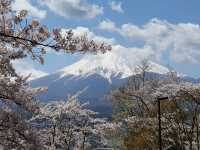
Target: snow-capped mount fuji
107, 65
96, 74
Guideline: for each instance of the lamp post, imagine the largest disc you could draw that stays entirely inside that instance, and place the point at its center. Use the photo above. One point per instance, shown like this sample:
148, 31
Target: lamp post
159, 120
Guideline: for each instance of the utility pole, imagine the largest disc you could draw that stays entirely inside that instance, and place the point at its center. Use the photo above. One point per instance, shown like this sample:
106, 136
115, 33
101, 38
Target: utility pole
159, 121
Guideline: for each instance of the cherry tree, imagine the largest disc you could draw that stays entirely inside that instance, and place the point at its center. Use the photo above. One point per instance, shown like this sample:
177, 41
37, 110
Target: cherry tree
180, 115
70, 125
21, 37
136, 109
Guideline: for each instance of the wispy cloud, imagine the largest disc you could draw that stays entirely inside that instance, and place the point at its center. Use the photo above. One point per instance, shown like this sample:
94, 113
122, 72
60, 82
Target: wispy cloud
32, 10
116, 6
74, 8
25, 68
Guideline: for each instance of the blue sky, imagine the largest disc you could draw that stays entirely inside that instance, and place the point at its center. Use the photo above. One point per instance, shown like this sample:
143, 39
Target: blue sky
167, 31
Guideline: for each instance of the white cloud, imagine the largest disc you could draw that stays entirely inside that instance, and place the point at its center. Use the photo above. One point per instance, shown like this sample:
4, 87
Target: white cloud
80, 9
80, 31
24, 68
116, 6
135, 54
32, 10
181, 41
107, 25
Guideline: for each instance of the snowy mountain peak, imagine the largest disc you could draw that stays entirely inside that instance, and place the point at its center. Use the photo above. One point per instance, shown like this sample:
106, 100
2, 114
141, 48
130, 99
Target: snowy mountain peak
107, 65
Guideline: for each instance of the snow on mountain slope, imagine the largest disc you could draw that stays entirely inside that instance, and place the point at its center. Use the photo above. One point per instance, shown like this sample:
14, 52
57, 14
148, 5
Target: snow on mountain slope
108, 65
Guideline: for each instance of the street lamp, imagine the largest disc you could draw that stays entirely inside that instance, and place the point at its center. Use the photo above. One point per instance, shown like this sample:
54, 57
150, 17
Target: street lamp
159, 120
